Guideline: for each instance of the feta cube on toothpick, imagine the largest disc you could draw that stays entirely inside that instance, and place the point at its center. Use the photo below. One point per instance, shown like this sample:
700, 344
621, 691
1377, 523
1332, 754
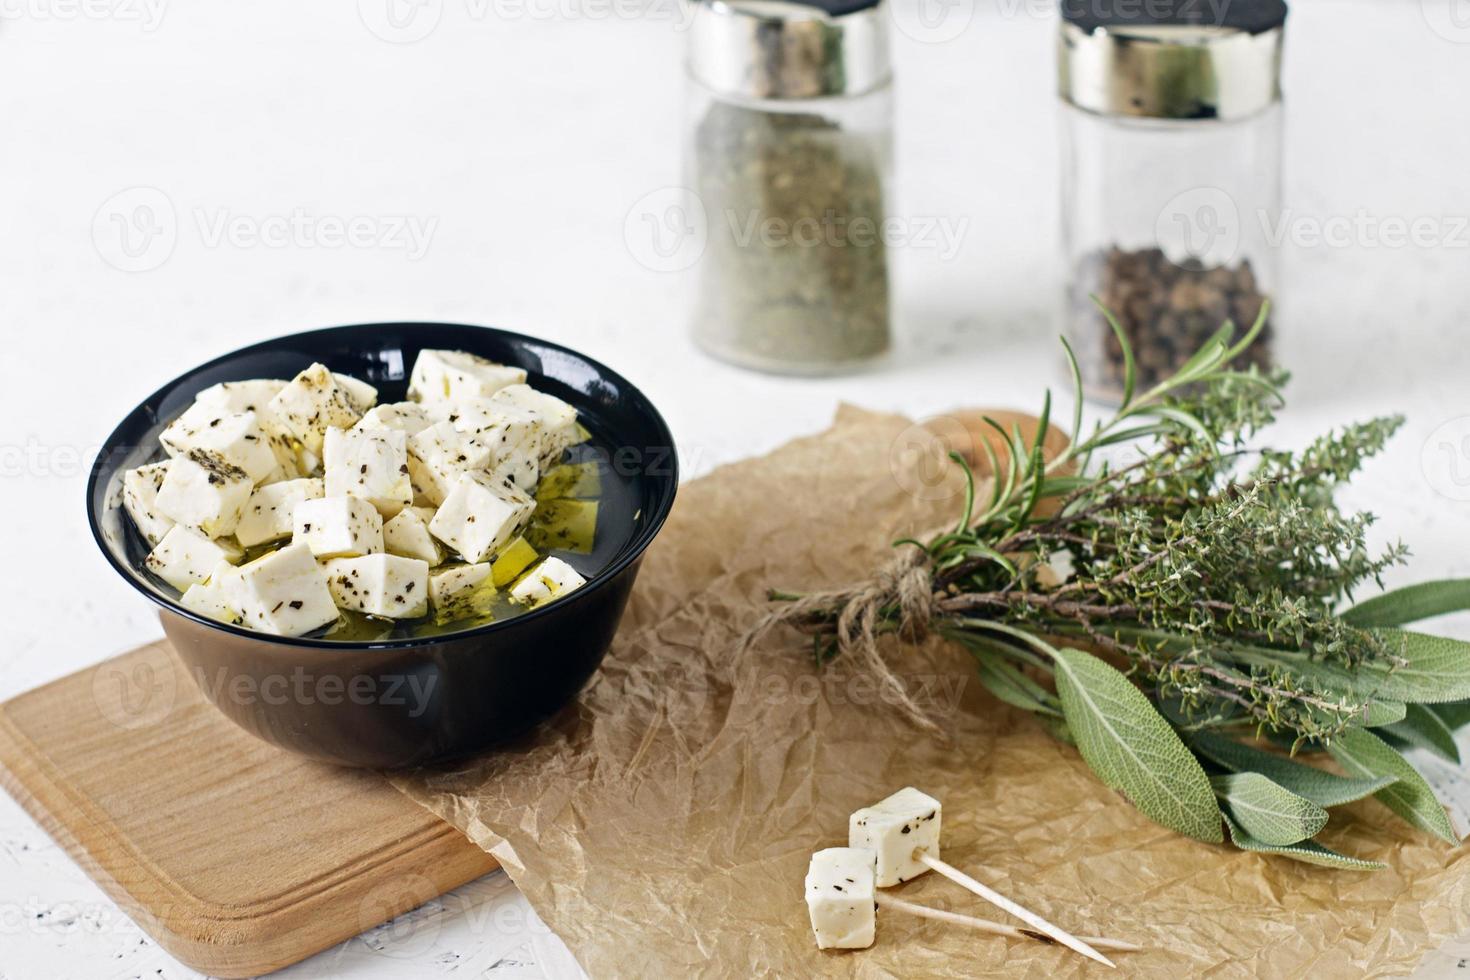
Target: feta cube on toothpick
903, 833
840, 898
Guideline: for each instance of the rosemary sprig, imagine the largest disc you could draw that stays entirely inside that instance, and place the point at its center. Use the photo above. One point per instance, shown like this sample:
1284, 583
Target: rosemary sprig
1164, 612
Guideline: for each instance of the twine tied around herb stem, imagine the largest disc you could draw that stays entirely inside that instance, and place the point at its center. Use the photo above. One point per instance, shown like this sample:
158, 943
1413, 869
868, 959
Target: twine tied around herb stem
904, 586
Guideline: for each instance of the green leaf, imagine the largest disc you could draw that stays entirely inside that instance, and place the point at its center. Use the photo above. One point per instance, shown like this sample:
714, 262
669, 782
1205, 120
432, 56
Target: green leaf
1379, 713
1455, 714
1130, 366
1181, 417
1437, 668
1323, 788
1411, 604
1133, 749
1425, 729
1013, 687
1362, 753
1309, 851
1268, 812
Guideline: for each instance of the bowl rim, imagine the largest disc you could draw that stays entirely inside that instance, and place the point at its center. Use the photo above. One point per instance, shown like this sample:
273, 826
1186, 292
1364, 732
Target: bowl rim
630, 553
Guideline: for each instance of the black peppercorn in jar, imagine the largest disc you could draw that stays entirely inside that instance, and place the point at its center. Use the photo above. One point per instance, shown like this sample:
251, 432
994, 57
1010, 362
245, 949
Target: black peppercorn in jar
1171, 160
790, 123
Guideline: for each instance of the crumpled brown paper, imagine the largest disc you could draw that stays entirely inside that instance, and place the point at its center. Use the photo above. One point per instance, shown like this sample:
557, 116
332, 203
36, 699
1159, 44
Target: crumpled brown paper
662, 826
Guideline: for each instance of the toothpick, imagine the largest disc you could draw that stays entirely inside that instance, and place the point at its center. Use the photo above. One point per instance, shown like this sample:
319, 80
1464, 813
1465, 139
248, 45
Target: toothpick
997, 899
996, 928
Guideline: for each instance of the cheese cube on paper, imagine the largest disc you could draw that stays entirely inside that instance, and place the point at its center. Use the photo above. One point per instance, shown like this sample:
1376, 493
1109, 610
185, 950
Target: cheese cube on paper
338, 527
231, 438
211, 600
371, 464
284, 592
839, 898
380, 585
558, 419
895, 829
478, 517
407, 534
140, 499
315, 401
549, 580
407, 417
204, 493
450, 375
268, 514
185, 557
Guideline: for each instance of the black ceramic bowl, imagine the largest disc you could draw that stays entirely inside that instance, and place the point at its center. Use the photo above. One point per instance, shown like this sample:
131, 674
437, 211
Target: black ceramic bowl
403, 702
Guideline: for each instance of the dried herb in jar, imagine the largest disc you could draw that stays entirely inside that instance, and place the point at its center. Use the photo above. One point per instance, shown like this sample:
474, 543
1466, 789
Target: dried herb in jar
795, 273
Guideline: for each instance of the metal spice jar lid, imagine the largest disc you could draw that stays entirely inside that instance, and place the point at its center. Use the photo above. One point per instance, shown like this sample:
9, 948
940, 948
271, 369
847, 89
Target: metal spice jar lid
788, 49
1171, 59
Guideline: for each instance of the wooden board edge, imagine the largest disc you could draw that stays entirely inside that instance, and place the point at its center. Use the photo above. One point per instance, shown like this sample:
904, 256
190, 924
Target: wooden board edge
229, 946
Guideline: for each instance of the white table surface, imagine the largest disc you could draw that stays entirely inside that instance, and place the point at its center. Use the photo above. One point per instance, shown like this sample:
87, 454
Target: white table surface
522, 135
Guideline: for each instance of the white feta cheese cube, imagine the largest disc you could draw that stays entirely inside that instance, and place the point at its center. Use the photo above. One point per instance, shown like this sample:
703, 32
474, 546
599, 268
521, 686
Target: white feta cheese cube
450, 375
185, 557
269, 513
285, 593
512, 437
338, 527
453, 583
140, 499
462, 592
380, 585
363, 394
549, 580
407, 417
896, 829
202, 492
558, 419
241, 396
840, 899
478, 516
439, 456
521, 467
407, 534
371, 464
212, 601
315, 401
233, 438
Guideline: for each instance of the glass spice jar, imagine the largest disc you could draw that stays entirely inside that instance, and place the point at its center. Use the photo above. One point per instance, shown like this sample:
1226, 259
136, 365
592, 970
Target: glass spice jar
789, 134
1171, 173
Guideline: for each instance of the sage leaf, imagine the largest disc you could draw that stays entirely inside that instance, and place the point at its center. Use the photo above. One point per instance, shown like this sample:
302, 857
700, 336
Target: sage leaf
1133, 749
1411, 604
1426, 730
1013, 687
1437, 668
1323, 788
1362, 753
1309, 851
1267, 811
1455, 714
1378, 713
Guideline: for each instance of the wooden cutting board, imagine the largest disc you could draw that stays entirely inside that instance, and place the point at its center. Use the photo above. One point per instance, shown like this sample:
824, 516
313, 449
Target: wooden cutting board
235, 856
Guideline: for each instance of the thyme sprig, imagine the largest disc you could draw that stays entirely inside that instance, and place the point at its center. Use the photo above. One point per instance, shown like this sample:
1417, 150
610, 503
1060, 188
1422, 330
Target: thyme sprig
1213, 572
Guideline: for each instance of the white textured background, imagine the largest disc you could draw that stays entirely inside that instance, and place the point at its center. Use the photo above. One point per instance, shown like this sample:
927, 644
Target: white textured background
523, 133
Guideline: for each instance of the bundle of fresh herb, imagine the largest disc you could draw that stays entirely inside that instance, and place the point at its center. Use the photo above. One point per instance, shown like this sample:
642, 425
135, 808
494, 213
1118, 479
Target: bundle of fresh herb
1212, 571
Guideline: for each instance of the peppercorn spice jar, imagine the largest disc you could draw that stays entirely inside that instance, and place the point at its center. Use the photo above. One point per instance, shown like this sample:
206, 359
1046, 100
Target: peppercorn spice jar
789, 136
1171, 172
